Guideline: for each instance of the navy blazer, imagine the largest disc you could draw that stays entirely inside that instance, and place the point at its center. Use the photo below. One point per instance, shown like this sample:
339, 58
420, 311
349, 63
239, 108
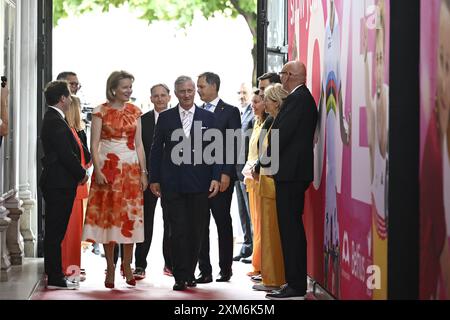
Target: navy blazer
228, 117
185, 177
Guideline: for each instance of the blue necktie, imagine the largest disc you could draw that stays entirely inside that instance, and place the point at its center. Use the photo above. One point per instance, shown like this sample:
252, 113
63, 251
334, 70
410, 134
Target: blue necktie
209, 106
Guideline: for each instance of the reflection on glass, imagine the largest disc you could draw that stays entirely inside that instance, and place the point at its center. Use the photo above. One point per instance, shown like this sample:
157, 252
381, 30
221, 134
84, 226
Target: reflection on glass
274, 62
275, 29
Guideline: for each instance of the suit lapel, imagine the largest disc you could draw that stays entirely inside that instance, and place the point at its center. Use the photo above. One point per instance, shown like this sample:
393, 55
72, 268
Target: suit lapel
178, 122
74, 144
219, 108
152, 121
197, 117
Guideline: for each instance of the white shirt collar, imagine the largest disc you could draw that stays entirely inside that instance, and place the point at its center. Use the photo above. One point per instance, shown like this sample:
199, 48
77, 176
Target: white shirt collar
190, 110
59, 111
215, 102
296, 88
157, 114
246, 107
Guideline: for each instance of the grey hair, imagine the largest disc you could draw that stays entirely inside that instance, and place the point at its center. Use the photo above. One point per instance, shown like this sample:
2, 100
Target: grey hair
182, 79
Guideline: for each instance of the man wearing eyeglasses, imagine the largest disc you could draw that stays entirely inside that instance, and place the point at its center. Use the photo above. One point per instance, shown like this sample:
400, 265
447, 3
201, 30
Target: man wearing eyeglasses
72, 79
296, 124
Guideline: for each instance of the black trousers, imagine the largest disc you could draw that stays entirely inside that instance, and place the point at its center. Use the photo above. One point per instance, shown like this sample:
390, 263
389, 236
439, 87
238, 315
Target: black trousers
187, 213
244, 216
143, 248
290, 198
220, 209
58, 207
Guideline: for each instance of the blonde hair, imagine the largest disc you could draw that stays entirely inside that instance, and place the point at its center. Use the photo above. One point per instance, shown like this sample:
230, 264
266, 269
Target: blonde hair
276, 93
113, 82
73, 116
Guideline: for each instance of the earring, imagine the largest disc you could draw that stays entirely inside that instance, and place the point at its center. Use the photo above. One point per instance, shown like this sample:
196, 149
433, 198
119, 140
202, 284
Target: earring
114, 93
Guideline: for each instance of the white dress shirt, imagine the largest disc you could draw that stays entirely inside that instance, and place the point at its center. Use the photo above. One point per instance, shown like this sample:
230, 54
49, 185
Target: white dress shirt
191, 111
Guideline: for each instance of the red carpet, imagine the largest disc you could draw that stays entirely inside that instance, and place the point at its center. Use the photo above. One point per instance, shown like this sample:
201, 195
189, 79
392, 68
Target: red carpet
155, 286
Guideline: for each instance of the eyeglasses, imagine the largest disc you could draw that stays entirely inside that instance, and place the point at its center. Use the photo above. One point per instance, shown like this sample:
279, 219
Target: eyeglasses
288, 73
75, 84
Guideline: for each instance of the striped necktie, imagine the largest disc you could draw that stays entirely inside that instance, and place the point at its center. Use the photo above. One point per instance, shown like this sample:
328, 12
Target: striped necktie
187, 122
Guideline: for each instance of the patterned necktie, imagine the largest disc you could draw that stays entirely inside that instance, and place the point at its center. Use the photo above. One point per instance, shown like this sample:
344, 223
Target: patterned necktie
187, 122
209, 106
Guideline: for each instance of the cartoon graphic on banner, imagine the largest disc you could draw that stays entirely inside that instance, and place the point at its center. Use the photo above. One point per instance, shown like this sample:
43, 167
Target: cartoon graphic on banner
434, 280
345, 45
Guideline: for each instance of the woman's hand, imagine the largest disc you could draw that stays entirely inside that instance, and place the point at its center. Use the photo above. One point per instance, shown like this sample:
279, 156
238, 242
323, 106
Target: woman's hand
100, 178
144, 181
255, 174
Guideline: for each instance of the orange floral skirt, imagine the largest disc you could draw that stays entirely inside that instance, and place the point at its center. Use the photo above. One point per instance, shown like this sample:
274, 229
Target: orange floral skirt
115, 210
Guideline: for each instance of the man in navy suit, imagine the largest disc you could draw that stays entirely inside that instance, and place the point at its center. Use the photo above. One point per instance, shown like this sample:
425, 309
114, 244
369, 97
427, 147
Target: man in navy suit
160, 97
296, 124
227, 118
61, 174
184, 183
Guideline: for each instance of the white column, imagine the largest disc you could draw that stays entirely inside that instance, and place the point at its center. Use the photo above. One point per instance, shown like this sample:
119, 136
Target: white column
27, 101
32, 111
13, 203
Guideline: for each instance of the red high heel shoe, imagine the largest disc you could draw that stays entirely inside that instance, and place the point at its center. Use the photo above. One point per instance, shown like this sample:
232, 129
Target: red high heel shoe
132, 281
108, 284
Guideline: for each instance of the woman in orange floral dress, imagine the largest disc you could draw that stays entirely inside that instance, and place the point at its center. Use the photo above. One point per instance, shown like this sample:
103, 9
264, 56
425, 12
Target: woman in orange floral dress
115, 207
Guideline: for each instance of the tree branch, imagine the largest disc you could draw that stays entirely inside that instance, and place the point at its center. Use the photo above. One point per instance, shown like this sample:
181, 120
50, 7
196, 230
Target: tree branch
250, 18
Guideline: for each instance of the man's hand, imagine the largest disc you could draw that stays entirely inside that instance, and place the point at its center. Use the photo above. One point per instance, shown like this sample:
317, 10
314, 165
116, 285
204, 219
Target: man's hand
214, 188
156, 189
85, 179
224, 182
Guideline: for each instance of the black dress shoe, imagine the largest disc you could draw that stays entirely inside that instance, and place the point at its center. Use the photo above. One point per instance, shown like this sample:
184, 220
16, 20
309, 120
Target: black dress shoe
61, 284
191, 283
237, 258
224, 277
204, 278
179, 286
286, 293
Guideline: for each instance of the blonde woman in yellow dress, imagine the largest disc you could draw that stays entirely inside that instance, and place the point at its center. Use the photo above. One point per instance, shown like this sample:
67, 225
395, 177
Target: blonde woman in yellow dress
272, 266
253, 185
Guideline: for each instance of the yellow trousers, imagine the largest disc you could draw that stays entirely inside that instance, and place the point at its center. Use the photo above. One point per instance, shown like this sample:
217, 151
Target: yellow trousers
272, 263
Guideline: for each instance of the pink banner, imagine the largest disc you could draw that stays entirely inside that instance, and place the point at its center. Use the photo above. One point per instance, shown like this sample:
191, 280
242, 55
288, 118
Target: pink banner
344, 45
435, 150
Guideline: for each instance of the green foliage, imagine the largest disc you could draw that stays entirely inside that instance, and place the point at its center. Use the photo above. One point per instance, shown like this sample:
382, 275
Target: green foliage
182, 11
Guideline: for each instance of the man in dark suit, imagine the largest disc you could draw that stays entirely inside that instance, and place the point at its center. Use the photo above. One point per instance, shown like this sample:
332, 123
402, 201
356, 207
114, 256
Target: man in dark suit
182, 180
296, 123
227, 117
160, 97
247, 119
61, 174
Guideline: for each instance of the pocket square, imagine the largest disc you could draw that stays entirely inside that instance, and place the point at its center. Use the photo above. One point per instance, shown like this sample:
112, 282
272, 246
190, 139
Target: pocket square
204, 128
